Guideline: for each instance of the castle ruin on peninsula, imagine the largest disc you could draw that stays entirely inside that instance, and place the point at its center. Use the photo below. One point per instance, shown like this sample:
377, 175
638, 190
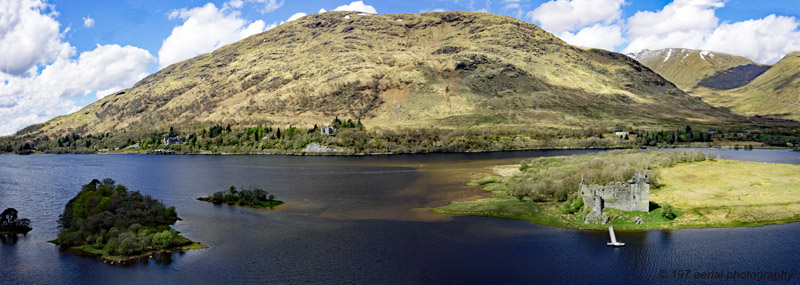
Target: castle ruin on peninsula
633, 195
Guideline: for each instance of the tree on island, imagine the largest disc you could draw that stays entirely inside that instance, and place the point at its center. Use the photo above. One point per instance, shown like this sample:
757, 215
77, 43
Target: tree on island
107, 219
10, 222
255, 197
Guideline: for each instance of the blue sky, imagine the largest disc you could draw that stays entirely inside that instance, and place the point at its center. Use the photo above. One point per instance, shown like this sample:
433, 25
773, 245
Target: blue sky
57, 56
145, 23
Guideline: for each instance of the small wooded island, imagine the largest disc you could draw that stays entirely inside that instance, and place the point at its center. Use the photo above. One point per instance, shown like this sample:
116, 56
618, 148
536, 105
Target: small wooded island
106, 219
11, 224
255, 197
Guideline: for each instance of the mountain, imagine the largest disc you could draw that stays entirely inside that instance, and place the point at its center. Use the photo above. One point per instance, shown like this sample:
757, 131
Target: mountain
691, 69
775, 93
444, 70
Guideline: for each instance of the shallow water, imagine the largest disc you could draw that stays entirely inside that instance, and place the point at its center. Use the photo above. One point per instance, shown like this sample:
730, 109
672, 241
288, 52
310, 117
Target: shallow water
355, 219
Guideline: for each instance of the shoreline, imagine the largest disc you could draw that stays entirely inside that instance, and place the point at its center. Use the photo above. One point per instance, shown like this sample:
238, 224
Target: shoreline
346, 153
549, 221
271, 203
116, 259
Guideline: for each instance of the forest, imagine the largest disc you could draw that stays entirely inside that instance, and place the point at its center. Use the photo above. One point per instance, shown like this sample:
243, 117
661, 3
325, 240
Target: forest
355, 138
105, 218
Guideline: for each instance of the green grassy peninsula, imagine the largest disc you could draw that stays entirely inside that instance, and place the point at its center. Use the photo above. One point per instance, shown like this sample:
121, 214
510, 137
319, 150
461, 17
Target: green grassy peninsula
688, 190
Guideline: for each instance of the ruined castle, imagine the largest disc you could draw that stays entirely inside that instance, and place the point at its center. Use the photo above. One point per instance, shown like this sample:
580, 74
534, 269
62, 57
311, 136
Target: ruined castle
633, 195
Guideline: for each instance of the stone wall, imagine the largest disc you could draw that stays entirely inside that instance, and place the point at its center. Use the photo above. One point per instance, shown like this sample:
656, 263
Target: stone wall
633, 195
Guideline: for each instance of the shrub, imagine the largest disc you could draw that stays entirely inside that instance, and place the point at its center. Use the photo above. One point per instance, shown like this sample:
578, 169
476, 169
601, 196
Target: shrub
556, 178
668, 212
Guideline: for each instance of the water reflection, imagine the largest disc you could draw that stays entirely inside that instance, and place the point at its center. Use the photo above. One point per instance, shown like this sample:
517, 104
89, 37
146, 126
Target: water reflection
10, 239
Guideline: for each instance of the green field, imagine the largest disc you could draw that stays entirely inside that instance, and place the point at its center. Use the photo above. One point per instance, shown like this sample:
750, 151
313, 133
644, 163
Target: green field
726, 193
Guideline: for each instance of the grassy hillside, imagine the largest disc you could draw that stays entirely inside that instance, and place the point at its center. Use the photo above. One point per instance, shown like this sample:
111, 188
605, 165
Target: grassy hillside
775, 93
690, 69
450, 70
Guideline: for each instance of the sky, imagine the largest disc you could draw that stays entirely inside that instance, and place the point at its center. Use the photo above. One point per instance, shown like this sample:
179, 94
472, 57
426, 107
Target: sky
57, 56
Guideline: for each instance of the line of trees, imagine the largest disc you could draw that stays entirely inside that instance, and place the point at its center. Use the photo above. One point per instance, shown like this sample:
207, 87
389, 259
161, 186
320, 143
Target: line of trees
353, 136
255, 197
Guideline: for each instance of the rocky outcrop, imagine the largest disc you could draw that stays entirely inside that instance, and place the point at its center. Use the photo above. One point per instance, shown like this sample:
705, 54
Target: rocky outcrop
317, 148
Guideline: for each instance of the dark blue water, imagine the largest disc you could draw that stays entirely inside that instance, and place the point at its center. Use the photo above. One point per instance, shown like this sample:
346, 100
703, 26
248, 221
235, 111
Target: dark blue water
356, 219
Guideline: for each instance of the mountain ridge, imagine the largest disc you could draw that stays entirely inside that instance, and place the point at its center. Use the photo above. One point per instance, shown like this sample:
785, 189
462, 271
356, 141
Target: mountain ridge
690, 68
775, 93
449, 70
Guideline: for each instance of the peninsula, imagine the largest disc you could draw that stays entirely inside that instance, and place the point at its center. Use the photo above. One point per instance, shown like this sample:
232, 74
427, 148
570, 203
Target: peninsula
107, 220
685, 189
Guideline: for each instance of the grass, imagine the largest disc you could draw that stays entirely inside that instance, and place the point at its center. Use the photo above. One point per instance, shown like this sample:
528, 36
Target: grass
487, 180
711, 193
725, 193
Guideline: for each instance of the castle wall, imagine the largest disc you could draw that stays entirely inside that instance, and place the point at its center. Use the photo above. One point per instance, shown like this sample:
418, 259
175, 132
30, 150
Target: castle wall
633, 195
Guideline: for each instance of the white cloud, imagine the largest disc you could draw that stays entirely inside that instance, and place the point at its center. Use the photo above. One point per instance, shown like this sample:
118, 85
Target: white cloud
513, 5
296, 16
268, 5
204, 29
682, 23
558, 16
694, 24
88, 22
357, 6
598, 36
764, 40
322, 10
29, 35
19, 112
37, 98
437, 10
236, 4
30, 40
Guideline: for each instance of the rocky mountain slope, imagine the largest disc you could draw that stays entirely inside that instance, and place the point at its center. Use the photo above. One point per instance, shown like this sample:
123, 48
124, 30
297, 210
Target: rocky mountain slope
444, 70
692, 69
775, 93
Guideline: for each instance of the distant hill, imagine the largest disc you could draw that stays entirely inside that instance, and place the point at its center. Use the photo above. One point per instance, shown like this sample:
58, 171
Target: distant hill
444, 70
774, 93
690, 69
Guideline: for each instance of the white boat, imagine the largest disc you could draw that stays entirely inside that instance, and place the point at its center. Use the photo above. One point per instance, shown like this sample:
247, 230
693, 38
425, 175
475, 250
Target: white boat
614, 241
